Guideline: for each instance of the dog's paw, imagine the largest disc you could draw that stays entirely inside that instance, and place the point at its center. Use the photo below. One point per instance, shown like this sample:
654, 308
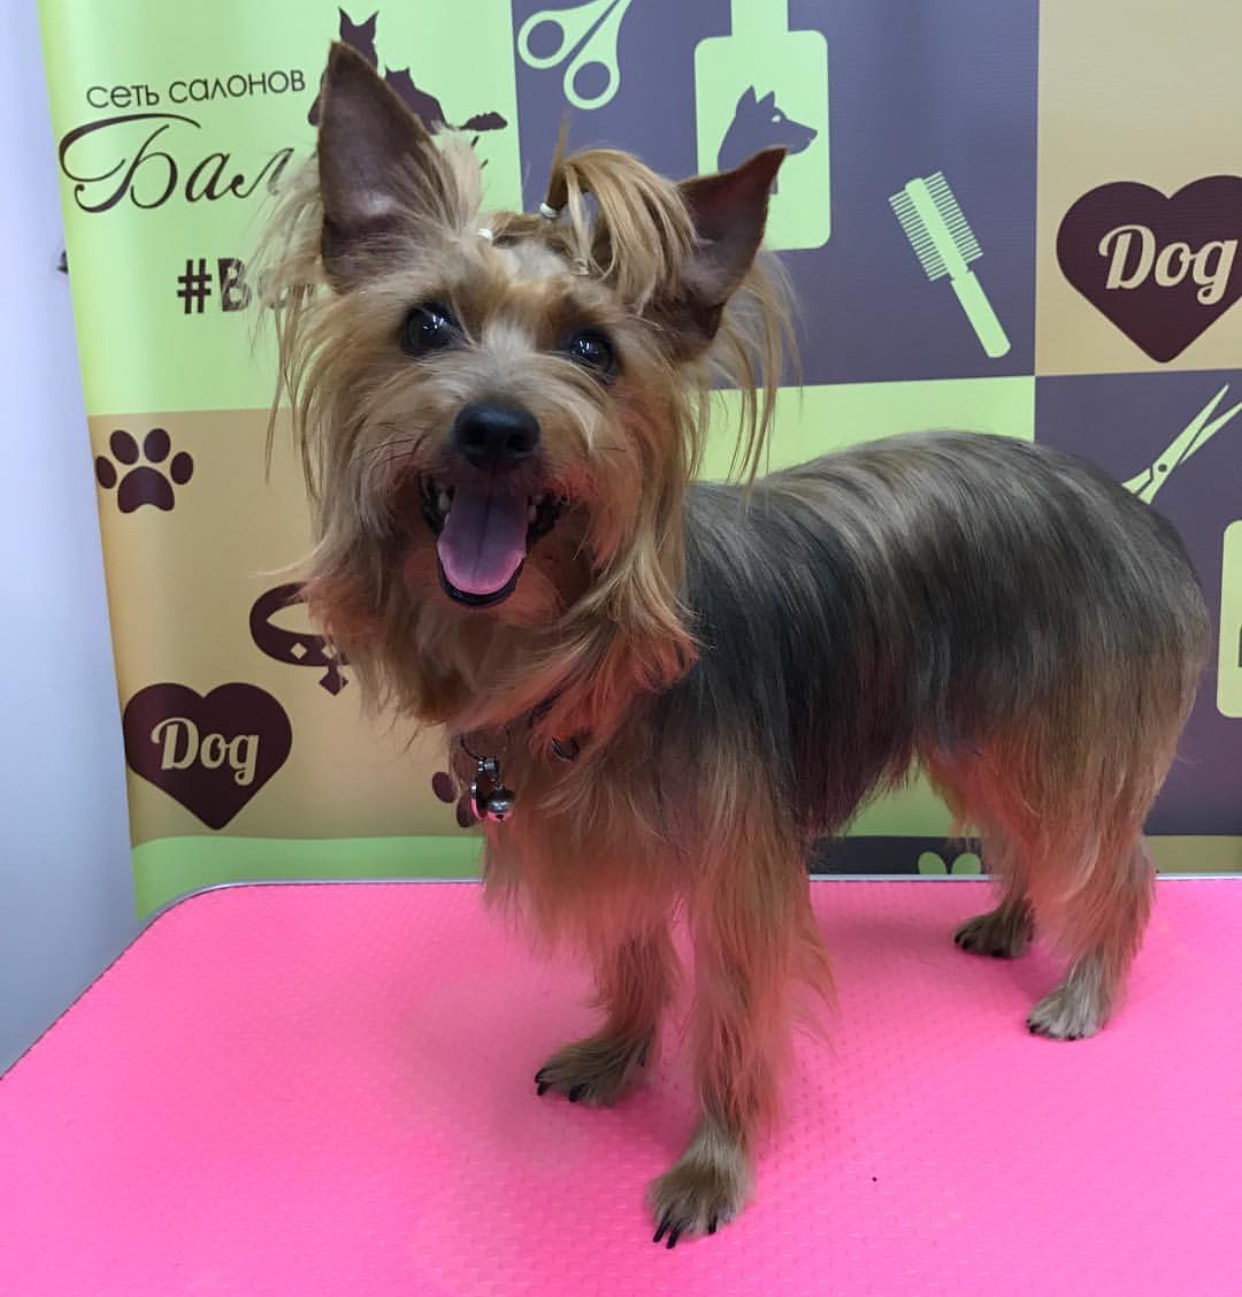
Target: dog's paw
696, 1197
1068, 1013
595, 1071
1004, 933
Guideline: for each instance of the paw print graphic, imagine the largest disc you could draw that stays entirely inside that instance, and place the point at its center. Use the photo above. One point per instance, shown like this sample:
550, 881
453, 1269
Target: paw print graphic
446, 789
149, 482
965, 862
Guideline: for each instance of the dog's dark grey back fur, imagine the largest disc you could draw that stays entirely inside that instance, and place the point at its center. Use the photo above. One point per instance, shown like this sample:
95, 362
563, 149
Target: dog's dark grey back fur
916, 593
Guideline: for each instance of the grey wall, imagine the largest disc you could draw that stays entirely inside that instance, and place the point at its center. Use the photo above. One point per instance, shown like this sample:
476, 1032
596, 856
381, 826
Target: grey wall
66, 891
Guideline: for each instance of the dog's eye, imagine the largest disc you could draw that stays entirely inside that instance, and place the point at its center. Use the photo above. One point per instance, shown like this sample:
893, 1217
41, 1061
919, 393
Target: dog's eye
428, 327
591, 348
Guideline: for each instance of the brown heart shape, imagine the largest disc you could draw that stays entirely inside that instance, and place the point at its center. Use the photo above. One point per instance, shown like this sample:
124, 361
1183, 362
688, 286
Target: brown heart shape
1161, 269
211, 753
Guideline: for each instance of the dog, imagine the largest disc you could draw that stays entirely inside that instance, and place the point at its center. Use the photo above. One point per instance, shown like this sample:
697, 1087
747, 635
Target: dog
660, 690
758, 124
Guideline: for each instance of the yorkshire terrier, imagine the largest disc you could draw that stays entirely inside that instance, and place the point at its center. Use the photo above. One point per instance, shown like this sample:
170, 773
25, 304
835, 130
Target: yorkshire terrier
663, 690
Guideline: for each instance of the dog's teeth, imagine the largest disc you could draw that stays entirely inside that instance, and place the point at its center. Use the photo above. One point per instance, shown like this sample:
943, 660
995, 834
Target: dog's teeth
443, 501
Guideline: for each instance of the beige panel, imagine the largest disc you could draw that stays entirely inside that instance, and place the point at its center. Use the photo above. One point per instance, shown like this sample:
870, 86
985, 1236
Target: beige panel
1145, 91
182, 584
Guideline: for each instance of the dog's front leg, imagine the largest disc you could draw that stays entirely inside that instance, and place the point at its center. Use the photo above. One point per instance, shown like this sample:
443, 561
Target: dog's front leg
634, 980
754, 935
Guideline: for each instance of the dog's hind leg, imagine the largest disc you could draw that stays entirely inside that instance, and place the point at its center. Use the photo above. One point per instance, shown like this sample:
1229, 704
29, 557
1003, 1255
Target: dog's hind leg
1068, 848
634, 979
1006, 931
1101, 926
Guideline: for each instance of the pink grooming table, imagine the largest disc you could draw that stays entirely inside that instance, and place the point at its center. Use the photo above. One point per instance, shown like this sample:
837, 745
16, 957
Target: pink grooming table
328, 1089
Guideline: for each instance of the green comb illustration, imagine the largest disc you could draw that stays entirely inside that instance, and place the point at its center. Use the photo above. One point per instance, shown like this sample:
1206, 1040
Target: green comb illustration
946, 245
1229, 670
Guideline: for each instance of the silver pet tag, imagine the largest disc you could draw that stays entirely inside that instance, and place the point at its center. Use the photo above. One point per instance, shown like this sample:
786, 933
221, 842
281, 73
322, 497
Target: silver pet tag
491, 800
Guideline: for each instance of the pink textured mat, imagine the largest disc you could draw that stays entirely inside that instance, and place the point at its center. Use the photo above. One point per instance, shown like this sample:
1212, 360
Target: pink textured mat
327, 1089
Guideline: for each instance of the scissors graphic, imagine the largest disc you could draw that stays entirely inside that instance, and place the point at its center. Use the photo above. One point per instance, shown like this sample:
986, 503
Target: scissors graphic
589, 33
1192, 438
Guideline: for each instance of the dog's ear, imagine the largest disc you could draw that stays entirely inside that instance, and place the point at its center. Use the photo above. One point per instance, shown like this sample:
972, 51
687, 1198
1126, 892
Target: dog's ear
378, 168
729, 210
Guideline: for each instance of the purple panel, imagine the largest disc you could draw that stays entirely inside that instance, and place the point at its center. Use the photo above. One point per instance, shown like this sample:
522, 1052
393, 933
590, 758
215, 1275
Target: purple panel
1124, 423
914, 90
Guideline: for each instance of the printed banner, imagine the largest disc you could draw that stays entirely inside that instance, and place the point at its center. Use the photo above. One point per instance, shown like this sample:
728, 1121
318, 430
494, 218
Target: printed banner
996, 219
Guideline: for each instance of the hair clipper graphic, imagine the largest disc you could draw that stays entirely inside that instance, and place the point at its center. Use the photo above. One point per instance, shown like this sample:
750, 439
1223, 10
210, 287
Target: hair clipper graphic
1229, 672
946, 245
764, 85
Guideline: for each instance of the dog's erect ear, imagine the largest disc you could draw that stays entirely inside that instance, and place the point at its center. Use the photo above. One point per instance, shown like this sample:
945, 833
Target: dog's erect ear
374, 159
729, 210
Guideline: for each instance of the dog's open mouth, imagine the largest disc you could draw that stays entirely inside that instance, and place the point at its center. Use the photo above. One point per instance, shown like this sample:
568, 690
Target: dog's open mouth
483, 534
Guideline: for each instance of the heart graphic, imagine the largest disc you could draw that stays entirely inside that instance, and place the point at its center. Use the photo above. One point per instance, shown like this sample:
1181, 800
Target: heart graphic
213, 753
1161, 269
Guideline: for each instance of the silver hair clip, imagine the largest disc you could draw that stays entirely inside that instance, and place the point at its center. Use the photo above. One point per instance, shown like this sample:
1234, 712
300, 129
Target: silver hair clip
549, 213
486, 234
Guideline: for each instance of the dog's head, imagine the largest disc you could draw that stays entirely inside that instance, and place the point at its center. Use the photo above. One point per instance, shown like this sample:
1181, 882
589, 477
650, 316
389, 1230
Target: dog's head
499, 412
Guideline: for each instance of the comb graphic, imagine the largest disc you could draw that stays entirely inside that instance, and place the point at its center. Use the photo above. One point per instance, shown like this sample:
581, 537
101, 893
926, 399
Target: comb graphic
946, 245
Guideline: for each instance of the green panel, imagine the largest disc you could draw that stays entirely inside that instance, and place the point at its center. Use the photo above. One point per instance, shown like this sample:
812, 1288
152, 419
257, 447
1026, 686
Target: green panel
814, 420
170, 867
1196, 854
761, 83
157, 178
1229, 675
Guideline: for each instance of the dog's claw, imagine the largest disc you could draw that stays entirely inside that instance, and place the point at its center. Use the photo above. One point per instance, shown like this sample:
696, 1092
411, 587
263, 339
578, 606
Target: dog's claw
576, 1093
674, 1235
543, 1088
660, 1229
711, 1224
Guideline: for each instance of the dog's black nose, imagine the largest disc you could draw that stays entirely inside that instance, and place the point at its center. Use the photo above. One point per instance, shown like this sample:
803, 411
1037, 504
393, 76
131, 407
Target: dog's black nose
495, 437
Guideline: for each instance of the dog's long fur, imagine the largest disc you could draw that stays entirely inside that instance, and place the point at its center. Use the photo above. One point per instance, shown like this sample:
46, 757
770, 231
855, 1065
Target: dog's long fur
739, 667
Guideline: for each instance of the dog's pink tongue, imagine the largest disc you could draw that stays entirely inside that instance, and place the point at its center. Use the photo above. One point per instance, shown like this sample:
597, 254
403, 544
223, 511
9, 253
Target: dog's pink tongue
483, 541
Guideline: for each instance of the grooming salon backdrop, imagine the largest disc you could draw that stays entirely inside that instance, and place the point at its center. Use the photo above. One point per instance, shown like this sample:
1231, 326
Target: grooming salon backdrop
1014, 217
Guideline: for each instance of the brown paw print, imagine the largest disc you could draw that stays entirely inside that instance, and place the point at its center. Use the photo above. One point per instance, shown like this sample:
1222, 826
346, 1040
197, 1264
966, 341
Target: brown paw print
138, 483
445, 788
